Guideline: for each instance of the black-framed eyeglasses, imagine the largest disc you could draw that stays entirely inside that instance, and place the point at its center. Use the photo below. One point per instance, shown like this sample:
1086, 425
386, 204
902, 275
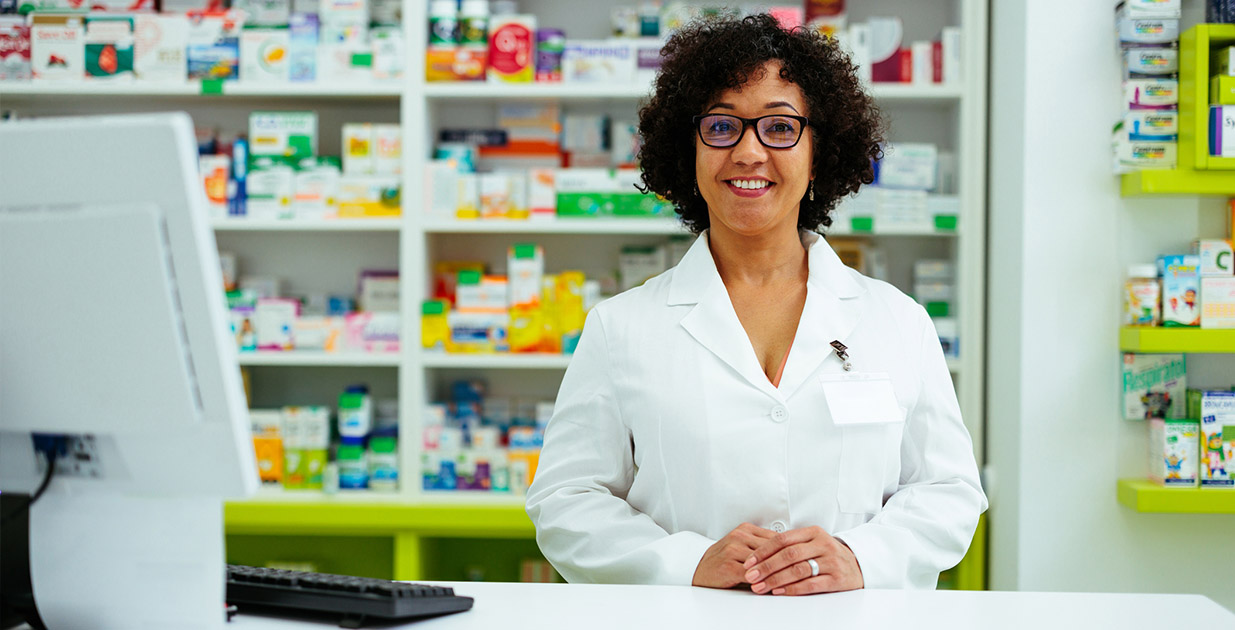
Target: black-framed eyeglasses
775, 131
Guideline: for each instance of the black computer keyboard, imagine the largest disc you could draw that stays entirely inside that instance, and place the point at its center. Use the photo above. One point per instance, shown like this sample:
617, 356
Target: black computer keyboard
354, 600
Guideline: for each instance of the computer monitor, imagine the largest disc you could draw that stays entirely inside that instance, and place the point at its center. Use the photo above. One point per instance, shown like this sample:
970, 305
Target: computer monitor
113, 331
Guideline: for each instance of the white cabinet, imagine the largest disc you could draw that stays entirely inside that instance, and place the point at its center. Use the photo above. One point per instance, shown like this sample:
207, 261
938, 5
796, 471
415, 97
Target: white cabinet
328, 256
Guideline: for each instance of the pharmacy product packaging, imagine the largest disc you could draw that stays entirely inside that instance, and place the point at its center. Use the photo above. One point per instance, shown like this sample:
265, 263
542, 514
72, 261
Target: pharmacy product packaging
264, 12
316, 188
109, 47
388, 53
1153, 125
359, 156
1154, 386
1215, 256
885, 37
369, 196
1181, 288
512, 42
1217, 411
302, 31
1170, 9
14, 49
1145, 31
1218, 302
379, 291
269, 188
908, 165
1222, 130
57, 47
1174, 452
160, 45
598, 61
214, 171
387, 149
637, 264
263, 55
1130, 155
273, 321
1154, 62
213, 53
1151, 93
287, 134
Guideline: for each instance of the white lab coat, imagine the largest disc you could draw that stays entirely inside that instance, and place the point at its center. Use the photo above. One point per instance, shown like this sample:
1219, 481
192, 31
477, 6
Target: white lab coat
667, 434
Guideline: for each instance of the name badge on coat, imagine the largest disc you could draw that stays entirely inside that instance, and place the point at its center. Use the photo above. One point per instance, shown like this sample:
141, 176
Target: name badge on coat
861, 398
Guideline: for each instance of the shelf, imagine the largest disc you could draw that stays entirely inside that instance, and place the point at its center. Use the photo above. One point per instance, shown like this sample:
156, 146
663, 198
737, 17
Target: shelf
294, 225
833, 231
320, 359
587, 91
196, 88
1177, 182
501, 361
556, 226
326, 515
1162, 340
1145, 496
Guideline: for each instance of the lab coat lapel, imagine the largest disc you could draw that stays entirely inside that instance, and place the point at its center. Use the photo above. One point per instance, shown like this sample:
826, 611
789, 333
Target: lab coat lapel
713, 322
832, 311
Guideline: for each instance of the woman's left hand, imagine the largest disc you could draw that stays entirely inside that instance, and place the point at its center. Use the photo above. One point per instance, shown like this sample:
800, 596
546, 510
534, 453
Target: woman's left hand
780, 566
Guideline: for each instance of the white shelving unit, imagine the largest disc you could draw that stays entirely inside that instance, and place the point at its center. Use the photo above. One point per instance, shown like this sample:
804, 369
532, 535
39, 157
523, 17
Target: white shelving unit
326, 256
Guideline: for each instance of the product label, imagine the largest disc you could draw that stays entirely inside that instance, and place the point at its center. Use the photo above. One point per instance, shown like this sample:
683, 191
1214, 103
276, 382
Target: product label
1154, 386
14, 52
511, 49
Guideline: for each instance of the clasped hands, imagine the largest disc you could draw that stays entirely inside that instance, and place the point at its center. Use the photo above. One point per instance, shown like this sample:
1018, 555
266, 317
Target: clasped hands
777, 563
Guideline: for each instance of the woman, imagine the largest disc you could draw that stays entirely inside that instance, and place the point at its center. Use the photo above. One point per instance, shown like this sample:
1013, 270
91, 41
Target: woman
761, 414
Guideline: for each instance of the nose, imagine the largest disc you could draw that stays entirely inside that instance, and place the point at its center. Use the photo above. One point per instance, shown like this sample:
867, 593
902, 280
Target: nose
748, 150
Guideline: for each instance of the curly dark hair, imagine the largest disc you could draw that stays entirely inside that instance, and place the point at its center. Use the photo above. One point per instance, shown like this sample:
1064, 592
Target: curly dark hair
712, 55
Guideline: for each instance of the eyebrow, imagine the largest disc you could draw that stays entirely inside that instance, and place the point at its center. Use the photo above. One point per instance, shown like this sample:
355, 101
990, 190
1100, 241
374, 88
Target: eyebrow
772, 105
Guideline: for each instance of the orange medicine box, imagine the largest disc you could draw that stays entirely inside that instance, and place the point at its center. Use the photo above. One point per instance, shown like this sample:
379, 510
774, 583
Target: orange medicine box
268, 443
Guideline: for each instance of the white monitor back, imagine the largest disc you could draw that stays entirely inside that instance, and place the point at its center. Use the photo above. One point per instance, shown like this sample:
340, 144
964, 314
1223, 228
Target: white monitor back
112, 314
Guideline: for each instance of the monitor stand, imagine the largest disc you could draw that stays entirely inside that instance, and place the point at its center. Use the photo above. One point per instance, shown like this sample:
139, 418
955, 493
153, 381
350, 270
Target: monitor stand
16, 594
118, 562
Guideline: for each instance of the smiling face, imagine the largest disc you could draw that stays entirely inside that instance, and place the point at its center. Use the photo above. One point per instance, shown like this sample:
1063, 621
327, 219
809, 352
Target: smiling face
751, 189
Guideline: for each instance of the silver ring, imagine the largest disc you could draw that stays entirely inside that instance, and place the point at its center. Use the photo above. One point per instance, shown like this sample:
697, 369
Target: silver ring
814, 567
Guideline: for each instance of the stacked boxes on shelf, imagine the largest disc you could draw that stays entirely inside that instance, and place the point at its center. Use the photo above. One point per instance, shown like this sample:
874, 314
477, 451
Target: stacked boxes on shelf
1190, 290
263, 319
275, 172
914, 191
934, 286
298, 448
479, 442
260, 41
1147, 135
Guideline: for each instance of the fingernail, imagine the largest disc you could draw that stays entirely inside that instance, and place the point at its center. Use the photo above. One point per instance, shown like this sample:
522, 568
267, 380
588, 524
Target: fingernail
752, 575
759, 588
779, 591
749, 562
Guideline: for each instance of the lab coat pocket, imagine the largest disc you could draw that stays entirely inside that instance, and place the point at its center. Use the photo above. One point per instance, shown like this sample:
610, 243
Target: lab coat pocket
866, 449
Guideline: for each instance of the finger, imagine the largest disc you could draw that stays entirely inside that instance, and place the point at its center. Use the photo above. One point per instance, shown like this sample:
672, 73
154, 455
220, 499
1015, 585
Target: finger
822, 583
776, 543
791, 574
791, 560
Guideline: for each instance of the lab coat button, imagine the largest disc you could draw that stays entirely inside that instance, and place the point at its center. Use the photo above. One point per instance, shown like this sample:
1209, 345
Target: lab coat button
779, 413
778, 526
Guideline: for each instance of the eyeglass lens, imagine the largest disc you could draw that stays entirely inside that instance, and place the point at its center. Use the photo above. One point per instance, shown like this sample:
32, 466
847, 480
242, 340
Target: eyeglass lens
720, 130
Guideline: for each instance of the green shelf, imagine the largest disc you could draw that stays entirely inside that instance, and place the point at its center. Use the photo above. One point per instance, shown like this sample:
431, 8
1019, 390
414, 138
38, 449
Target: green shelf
1145, 496
1163, 340
1178, 182
314, 517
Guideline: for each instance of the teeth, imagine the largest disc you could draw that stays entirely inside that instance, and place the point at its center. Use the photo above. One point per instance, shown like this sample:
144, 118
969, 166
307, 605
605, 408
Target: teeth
750, 184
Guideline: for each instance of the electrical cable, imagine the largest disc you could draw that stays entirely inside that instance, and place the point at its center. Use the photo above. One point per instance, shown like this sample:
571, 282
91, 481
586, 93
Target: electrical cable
51, 455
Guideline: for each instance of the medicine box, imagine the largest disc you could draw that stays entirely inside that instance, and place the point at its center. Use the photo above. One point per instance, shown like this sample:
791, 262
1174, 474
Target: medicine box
264, 55
1152, 124
57, 47
273, 321
159, 53
1181, 288
387, 149
315, 188
1154, 386
1215, 257
14, 48
1173, 452
1223, 61
1222, 130
109, 47
269, 188
379, 291
1217, 411
1157, 93
1150, 62
908, 165
289, 134
368, 196
1142, 154
1151, 8
1222, 90
213, 52
302, 31
359, 156
948, 331
1141, 31
512, 54
1218, 302
637, 264
598, 61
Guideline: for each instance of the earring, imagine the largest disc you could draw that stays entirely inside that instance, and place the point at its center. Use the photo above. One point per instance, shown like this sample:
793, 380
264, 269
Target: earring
696, 189
811, 196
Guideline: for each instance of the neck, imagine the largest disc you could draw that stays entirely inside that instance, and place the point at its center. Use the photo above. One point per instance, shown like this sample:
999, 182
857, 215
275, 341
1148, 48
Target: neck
768, 258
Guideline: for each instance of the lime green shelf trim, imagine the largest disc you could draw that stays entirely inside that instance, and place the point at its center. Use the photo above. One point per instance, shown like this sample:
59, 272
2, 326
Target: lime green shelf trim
378, 519
1177, 182
1163, 340
971, 572
1146, 496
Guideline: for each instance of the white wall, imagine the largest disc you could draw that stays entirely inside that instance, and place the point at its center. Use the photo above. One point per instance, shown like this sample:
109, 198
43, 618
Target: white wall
1060, 239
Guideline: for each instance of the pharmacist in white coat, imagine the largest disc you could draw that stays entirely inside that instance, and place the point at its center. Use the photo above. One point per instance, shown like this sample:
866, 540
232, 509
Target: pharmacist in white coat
761, 415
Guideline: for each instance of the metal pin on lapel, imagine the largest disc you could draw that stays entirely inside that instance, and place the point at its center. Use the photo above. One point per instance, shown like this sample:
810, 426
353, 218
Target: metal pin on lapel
841, 354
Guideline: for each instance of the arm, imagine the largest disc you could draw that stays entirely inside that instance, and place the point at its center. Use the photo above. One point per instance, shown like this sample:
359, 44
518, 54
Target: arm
928, 523
577, 500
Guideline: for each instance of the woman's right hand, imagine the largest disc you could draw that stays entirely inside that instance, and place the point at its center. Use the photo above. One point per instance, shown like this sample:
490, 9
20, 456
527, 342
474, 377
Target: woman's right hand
722, 564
